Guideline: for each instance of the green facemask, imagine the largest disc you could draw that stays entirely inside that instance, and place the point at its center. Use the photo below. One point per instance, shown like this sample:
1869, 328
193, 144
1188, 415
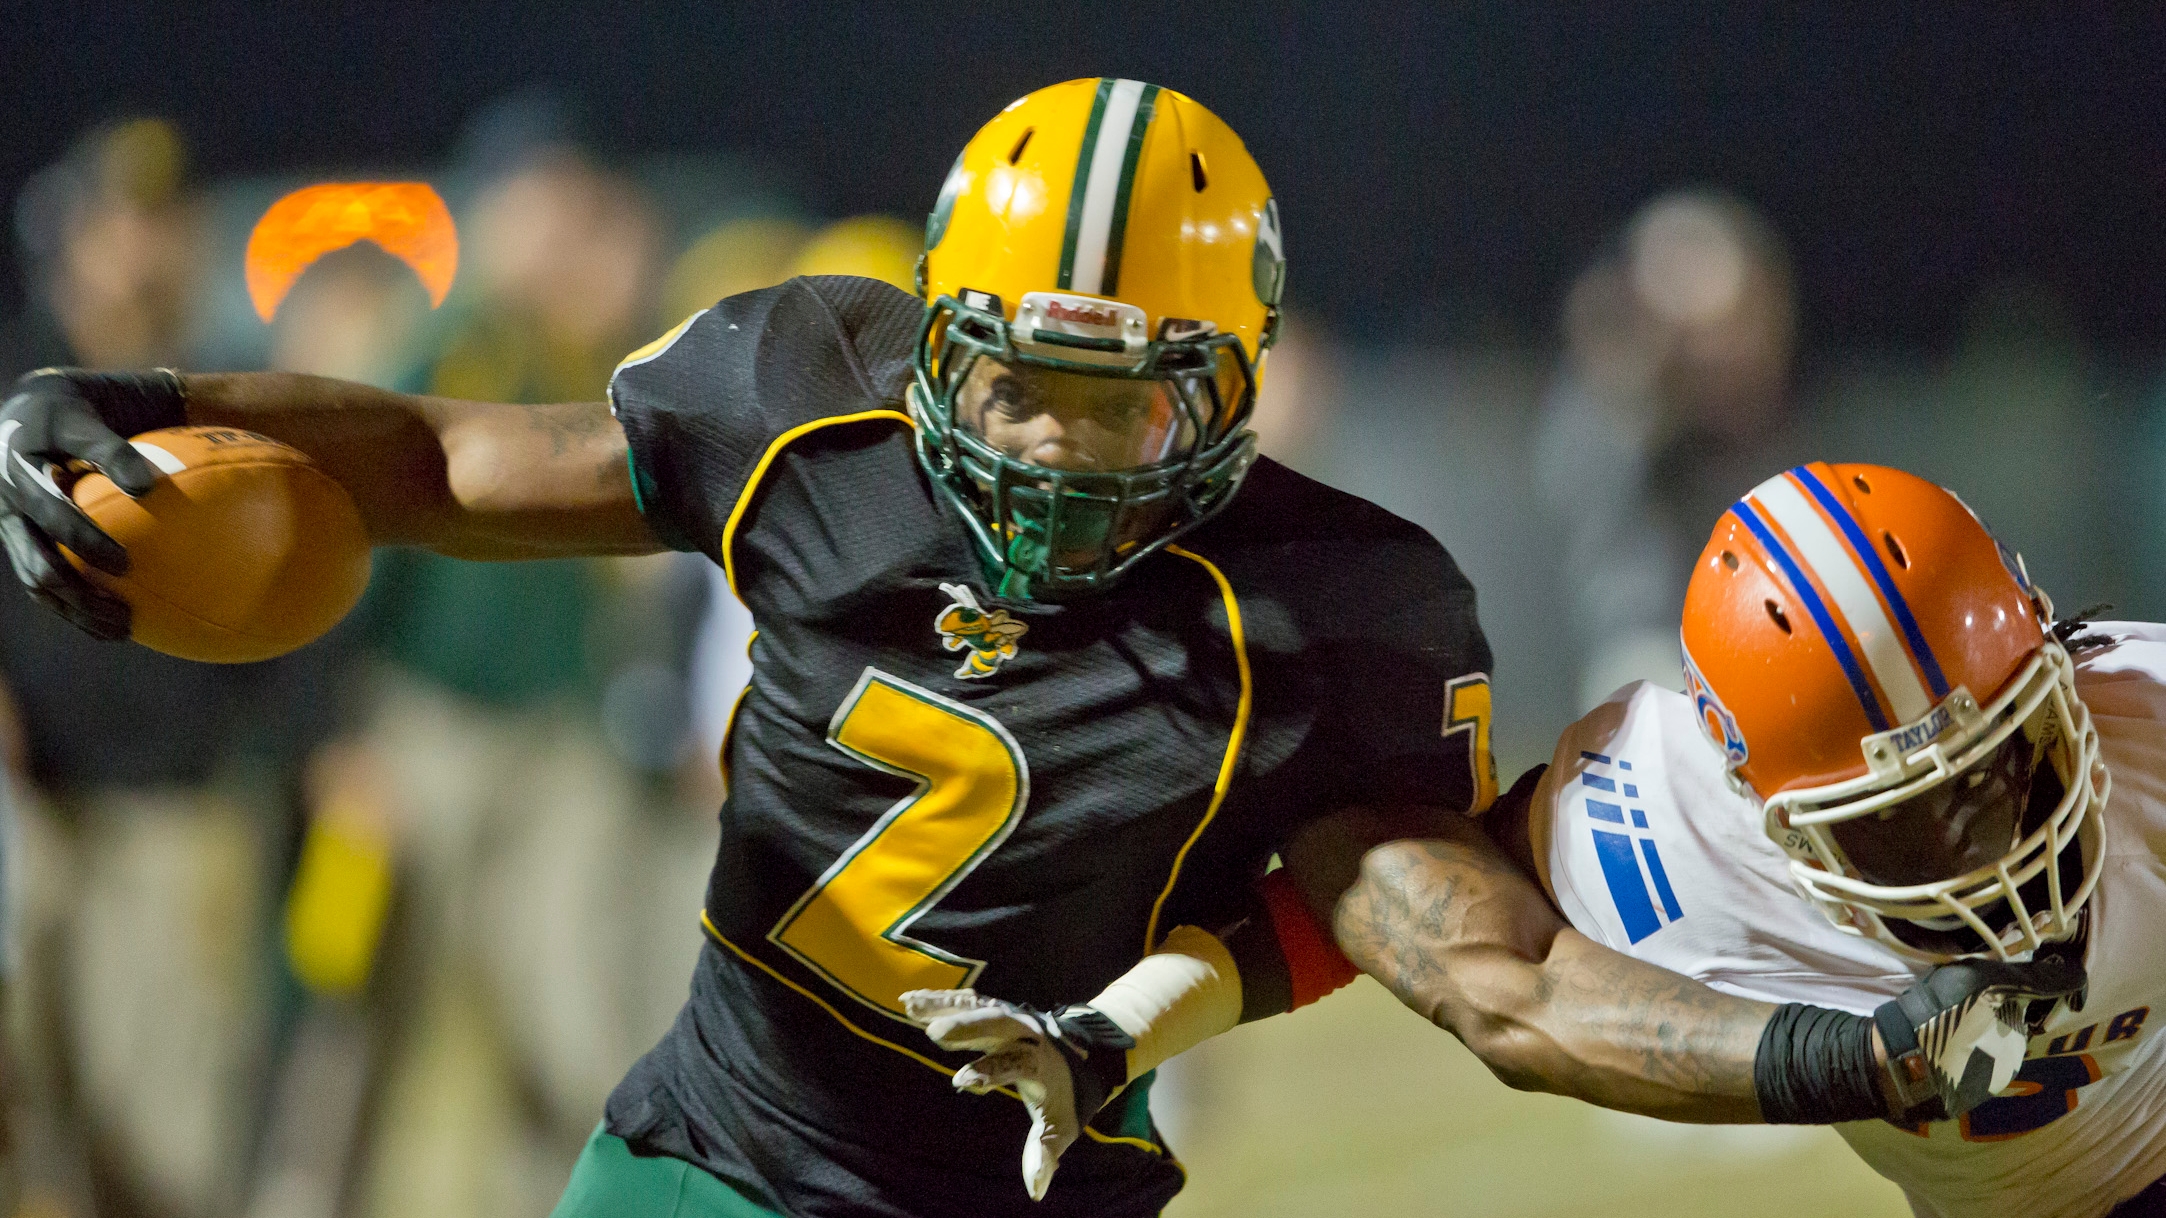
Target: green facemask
1047, 532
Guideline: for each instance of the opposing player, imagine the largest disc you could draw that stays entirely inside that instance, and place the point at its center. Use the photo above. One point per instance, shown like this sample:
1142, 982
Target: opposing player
1889, 755
1049, 664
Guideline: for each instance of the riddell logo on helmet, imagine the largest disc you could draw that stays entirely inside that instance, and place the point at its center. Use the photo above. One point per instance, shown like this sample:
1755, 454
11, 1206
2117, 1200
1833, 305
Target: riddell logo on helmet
1085, 317
1081, 314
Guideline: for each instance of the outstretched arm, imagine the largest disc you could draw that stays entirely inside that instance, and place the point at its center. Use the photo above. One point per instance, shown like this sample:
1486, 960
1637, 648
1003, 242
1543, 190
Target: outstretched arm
1428, 905
1465, 939
467, 479
1425, 903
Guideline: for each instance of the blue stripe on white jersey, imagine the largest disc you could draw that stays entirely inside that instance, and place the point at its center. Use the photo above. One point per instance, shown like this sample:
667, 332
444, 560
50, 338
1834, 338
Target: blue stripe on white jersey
1621, 872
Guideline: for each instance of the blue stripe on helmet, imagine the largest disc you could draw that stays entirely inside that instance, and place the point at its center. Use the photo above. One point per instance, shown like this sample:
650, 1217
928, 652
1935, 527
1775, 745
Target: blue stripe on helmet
1819, 611
1879, 570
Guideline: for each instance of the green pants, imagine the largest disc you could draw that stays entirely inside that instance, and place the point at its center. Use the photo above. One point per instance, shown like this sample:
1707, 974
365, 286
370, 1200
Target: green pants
609, 1181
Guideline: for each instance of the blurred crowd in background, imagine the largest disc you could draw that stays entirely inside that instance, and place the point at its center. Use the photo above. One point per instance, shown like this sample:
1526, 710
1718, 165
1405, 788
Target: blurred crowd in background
373, 929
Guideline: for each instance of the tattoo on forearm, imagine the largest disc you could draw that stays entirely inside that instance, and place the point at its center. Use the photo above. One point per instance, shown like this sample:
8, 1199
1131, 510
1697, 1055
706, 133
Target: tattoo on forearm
1438, 923
566, 424
611, 471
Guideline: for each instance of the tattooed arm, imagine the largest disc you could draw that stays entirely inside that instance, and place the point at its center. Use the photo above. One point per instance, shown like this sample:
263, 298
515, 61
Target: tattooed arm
1427, 905
468, 479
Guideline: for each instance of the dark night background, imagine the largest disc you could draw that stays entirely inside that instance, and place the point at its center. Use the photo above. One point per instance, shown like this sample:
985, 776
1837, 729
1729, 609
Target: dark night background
1443, 170
1973, 202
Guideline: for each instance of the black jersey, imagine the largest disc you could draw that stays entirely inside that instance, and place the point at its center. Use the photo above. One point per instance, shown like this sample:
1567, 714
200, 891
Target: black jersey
930, 787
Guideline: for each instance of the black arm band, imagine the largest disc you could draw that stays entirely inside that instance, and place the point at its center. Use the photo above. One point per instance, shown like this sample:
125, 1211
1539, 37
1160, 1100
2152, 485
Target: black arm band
1815, 1067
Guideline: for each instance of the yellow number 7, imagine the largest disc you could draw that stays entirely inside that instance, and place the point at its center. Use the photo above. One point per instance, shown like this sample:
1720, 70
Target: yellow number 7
852, 925
1467, 710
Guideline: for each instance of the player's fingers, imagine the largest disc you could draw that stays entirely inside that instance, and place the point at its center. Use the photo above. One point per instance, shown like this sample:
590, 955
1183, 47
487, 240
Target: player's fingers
2046, 977
118, 460
58, 586
1038, 1166
1005, 1067
970, 1079
1050, 1136
101, 617
982, 1029
923, 1006
31, 492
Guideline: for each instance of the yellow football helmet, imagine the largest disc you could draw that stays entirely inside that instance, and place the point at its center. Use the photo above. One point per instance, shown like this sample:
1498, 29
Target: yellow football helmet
1110, 230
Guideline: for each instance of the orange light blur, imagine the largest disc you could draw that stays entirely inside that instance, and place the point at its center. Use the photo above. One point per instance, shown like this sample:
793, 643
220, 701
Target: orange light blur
408, 219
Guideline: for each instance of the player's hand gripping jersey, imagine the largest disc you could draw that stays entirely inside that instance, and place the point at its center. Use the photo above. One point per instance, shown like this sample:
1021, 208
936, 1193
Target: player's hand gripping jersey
933, 788
1645, 846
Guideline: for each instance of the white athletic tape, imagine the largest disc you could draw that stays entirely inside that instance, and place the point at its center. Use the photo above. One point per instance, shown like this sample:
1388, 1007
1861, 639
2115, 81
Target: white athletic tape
1179, 996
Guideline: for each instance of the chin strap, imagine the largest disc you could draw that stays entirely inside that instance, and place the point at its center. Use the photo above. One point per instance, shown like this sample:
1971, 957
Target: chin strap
1014, 585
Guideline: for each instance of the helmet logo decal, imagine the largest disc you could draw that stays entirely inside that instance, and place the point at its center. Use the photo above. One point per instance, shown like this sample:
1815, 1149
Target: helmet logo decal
936, 224
1080, 321
1080, 311
988, 638
1720, 724
2013, 562
1105, 175
1269, 266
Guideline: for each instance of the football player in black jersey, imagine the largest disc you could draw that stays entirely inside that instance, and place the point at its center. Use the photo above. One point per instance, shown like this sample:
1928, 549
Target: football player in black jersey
1048, 666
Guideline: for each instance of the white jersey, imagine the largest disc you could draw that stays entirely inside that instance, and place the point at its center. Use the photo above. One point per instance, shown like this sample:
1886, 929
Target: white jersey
1644, 846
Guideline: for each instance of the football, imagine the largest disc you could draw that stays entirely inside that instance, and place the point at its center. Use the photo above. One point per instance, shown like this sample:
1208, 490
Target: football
244, 550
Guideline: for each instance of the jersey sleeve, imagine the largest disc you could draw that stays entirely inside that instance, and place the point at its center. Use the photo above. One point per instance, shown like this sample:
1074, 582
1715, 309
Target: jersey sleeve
1644, 847
703, 404
1410, 680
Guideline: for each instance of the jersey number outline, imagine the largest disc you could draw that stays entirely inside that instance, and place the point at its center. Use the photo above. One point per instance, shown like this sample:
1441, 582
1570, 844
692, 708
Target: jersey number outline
852, 926
1468, 708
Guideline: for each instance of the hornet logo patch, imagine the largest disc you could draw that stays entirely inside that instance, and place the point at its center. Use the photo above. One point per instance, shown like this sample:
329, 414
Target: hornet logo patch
988, 638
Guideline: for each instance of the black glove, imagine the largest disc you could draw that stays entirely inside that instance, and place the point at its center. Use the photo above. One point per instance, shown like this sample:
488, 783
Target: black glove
1952, 1040
57, 421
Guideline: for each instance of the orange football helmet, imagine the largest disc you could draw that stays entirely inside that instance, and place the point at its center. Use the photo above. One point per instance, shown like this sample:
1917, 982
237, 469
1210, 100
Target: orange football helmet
1881, 674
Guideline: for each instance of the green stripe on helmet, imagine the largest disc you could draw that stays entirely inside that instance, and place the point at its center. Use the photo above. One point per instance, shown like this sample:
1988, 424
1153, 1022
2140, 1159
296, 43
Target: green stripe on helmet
1080, 181
1145, 108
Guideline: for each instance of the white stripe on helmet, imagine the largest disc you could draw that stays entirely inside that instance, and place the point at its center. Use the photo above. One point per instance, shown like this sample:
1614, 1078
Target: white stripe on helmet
1827, 558
1102, 186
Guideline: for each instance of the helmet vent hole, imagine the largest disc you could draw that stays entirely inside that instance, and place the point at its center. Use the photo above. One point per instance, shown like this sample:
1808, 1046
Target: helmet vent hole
1864, 487
1895, 551
1729, 560
1196, 173
1775, 613
1016, 153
